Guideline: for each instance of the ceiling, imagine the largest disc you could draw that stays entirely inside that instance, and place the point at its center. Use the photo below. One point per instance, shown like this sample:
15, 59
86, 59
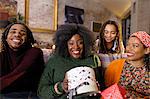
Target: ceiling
118, 7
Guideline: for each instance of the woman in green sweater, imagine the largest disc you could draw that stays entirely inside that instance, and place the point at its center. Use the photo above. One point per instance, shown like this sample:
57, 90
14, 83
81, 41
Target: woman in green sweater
73, 49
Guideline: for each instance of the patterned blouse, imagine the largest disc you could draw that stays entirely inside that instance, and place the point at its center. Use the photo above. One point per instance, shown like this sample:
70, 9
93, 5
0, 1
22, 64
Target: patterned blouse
136, 81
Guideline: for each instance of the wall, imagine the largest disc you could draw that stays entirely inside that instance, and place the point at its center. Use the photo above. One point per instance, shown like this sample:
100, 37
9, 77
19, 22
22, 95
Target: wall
93, 11
46, 37
140, 15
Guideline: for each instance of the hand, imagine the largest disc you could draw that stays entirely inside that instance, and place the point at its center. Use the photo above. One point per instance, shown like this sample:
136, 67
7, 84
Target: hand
65, 85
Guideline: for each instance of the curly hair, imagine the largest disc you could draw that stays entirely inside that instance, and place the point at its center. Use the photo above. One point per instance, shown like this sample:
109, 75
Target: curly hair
65, 33
29, 40
102, 42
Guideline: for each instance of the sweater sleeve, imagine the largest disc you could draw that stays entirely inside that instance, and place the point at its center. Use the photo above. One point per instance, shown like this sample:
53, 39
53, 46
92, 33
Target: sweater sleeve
26, 62
46, 86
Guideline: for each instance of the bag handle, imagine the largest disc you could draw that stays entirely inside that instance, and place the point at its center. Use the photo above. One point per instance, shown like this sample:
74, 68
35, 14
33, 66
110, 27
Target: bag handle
97, 61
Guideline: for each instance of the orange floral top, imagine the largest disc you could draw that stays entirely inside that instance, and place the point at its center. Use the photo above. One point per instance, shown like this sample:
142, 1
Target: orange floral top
136, 81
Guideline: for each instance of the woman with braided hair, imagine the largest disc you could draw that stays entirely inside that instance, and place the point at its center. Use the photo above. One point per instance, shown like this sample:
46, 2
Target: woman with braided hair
21, 64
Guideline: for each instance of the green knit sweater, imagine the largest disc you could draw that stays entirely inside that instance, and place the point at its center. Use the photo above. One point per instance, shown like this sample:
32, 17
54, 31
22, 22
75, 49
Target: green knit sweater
55, 71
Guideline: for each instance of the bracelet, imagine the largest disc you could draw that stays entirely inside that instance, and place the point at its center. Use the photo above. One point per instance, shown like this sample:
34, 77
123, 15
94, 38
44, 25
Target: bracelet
56, 88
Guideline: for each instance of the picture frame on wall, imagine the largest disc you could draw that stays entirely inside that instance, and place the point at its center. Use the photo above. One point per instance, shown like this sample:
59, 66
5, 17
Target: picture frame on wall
74, 15
41, 16
96, 26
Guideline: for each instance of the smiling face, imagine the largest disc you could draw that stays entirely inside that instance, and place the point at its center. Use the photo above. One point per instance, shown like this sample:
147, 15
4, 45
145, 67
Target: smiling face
135, 49
75, 46
16, 36
110, 33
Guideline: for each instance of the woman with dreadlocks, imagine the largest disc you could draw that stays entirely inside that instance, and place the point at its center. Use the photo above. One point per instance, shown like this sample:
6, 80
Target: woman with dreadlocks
21, 64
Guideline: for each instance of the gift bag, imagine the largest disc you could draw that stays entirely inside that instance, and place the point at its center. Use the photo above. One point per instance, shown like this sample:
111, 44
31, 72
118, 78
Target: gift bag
114, 92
